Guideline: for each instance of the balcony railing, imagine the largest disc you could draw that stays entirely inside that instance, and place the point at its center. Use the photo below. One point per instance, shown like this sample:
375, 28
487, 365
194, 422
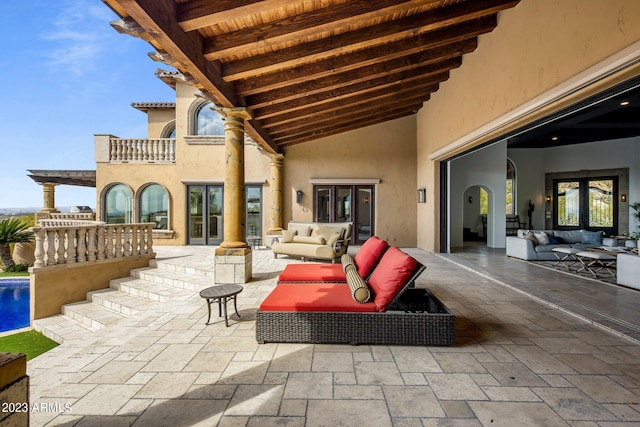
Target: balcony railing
83, 241
132, 150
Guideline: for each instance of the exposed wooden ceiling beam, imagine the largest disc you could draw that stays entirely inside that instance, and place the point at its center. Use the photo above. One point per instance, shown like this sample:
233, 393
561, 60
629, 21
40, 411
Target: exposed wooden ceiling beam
197, 14
340, 117
314, 135
396, 32
304, 25
376, 64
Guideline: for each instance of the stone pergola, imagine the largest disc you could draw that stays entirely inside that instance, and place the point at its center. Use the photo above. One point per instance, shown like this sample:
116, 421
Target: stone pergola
50, 178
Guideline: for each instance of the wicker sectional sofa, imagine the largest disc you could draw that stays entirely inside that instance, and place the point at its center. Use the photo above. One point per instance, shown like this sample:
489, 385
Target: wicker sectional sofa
393, 312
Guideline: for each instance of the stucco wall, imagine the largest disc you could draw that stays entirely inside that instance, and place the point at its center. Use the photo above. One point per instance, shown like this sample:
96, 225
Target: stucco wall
537, 45
386, 151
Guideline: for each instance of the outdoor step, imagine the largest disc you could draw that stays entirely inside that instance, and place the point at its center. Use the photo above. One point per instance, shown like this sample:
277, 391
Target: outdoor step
175, 279
119, 301
184, 269
62, 328
146, 289
91, 315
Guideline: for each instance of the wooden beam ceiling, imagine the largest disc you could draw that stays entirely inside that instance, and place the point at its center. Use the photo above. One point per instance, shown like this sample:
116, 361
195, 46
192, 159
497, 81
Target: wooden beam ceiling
307, 69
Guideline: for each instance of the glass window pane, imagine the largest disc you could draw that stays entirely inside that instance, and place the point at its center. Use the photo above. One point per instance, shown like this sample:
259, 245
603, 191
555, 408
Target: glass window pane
343, 204
323, 204
568, 194
195, 212
365, 214
601, 203
118, 205
154, 206
254, 211
216, 197
208, 121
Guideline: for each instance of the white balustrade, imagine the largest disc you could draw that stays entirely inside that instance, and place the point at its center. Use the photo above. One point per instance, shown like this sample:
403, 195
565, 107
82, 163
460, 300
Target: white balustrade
73, 216
85, 242
131, 150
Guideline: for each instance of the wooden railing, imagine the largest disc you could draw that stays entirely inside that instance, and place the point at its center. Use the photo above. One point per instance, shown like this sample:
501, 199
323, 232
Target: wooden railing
132, 150
82, 241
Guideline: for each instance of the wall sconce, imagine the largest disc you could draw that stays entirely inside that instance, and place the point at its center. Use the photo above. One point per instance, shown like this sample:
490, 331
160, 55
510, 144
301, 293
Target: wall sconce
366, 200
548, 199
623, 198
299, 197
470, 199
422, 195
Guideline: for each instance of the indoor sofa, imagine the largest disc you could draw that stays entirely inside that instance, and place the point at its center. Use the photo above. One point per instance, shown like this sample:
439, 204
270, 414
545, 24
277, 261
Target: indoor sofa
538, 245
383, 309
314, 240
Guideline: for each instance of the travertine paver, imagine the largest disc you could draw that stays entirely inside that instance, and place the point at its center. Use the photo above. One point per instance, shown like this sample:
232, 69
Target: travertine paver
517, 361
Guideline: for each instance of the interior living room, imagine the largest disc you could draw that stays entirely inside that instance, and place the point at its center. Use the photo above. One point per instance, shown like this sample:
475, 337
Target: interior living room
514, 176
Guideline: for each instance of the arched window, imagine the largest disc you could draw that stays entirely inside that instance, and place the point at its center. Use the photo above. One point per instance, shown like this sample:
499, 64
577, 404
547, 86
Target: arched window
169, 130
154, 206
208, 121
118, 205
511, 183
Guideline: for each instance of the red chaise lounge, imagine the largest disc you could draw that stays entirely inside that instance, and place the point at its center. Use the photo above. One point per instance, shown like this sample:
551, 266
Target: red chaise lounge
333, 312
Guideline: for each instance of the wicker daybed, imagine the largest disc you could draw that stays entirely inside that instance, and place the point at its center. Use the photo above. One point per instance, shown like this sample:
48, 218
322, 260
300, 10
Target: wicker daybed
316, 312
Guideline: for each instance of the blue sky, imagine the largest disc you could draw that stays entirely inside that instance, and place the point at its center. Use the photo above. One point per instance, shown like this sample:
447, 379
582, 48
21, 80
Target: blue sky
66, 75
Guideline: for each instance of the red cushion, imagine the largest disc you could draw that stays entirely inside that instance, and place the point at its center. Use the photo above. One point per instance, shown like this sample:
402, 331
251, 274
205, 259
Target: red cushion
313, 273
369, 255
390, 276
334, 297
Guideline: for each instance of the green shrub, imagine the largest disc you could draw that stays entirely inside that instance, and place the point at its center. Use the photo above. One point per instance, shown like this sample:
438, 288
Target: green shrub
16, 268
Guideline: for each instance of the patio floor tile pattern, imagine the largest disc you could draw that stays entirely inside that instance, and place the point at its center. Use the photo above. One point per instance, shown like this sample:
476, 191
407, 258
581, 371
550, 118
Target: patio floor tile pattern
517, 361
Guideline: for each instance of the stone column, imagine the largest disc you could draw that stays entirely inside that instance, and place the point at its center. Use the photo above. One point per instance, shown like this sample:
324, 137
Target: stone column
275, 181
49, 201
233, 256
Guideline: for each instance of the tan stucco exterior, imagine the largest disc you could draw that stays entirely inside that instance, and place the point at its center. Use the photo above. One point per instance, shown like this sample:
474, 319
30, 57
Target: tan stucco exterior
537, 47
544, 55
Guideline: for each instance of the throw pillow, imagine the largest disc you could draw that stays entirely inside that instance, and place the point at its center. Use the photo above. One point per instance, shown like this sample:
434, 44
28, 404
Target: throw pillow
369, 255
530, 236
390, 276
542, 238
303, 230
327, 232
288, 235
309, 239
359, 289
591, 237
554, 240
346, 261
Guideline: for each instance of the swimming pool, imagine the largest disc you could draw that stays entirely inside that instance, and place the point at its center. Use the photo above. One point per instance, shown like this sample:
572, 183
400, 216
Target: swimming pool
14, 304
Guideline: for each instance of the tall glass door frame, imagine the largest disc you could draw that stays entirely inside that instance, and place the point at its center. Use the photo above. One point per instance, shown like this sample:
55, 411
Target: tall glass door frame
573, 199
205, 208
347, 203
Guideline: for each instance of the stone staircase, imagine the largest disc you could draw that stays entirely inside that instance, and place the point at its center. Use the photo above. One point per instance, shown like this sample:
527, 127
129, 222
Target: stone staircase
140, 294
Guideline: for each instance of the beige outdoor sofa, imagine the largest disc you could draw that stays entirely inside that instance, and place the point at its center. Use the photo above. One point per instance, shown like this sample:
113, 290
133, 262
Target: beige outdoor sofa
314, 240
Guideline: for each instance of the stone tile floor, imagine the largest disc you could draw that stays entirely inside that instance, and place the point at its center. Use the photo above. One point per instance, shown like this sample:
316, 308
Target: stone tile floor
517, 361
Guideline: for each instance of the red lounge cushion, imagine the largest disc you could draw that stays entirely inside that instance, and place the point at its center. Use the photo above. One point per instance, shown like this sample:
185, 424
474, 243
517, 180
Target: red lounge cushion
369, 255
313, 273
321, 297
390, 276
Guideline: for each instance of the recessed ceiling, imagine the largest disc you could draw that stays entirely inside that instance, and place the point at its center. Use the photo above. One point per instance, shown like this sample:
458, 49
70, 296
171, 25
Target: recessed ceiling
612, 114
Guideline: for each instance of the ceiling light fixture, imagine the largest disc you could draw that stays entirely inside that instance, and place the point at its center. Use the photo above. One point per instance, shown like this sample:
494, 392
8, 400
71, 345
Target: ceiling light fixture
554, 138
624, 103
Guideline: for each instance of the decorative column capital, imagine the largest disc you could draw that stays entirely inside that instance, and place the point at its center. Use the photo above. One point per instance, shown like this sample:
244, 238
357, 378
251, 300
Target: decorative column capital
276, 159
238, 113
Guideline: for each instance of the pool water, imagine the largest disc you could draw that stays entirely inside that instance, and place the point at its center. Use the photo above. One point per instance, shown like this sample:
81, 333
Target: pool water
14, 304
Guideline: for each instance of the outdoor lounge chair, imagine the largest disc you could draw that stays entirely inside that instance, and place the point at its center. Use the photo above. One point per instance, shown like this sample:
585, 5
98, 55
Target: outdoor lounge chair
328, 313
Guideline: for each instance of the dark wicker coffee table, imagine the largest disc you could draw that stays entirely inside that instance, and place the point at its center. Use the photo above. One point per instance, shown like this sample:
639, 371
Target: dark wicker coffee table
220, 294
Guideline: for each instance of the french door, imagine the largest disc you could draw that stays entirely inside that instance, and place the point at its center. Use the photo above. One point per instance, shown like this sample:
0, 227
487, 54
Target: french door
586, 203
205, 221
347, 203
